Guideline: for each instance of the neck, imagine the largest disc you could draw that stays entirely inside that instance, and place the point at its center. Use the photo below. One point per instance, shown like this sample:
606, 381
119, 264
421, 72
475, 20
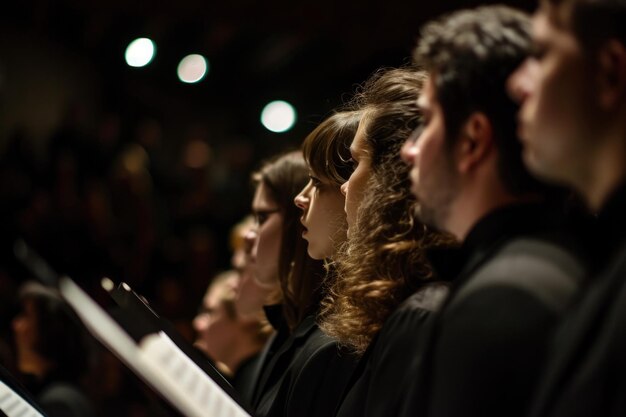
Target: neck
240, 351
478, 199
608, 172
32, 363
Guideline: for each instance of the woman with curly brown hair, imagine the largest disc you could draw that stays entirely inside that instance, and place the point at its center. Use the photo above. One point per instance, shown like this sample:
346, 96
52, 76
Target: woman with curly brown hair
303, 370
384, 290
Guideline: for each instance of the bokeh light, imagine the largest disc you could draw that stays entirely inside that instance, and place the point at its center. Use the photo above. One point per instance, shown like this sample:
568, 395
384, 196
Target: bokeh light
278, 116
140, 52
192, 68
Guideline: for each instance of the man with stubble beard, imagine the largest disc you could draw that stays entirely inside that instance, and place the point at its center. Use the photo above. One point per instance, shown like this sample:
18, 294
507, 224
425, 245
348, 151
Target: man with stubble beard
573, 125
518, 266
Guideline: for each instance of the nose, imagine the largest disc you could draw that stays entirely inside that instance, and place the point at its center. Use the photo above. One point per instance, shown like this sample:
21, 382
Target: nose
17, 323
249, 238
344, 188
409, 151
302, 200
521, 81
200, 322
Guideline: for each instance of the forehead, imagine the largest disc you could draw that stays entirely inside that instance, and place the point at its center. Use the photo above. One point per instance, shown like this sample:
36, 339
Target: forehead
549, 29
212, 298
262, 197
359, 145
552, 17
427, 97
558, 13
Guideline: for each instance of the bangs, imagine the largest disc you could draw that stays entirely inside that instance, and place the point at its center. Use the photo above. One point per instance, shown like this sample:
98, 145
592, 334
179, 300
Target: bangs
327, 149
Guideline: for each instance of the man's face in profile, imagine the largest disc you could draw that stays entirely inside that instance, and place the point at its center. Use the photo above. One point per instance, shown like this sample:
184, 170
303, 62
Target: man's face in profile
433, 178
553, 87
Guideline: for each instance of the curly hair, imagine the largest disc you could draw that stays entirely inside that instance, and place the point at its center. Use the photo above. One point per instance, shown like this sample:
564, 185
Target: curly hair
383, 261
299, 275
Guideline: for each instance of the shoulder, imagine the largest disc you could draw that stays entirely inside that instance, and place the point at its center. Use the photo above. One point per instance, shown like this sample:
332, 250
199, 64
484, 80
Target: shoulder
320, 376
413, 312
541, 269
65, 399
315, 347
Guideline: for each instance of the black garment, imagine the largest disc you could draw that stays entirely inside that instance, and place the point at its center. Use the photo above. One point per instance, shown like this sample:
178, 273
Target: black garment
586, 375
374, 390
305, 376
244, 379
274, 314
59, 397
487, 346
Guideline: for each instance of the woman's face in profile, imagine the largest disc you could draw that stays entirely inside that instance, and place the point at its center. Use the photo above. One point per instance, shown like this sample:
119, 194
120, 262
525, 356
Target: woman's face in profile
323, 216
355, 187
266, 247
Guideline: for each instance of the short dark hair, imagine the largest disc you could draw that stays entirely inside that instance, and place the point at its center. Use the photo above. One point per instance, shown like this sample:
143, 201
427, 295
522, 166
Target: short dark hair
471, 53
592, 21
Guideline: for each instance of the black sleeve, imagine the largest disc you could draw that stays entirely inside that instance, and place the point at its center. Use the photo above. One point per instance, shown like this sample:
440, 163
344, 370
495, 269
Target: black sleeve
319, 385
488, 354
398, 343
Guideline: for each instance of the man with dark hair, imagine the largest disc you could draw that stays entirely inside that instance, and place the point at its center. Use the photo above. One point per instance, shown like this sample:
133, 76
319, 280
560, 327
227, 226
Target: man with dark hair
517, 268
573, 126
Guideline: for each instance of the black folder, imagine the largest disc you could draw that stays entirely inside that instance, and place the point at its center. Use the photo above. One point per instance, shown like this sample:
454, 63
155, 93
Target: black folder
147, 344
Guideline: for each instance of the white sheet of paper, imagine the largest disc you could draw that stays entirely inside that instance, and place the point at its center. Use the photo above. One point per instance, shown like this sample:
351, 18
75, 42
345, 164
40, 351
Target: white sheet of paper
13, 405
157, 360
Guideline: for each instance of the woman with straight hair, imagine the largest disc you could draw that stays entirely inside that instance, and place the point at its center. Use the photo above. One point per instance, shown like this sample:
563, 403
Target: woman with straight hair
302, 371
327, 154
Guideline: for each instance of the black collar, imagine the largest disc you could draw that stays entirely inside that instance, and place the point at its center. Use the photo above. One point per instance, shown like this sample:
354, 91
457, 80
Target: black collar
612, 217
275, 315
508, 221
497, 226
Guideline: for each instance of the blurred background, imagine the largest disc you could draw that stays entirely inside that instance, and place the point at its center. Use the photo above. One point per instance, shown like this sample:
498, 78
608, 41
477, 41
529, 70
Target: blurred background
120, 159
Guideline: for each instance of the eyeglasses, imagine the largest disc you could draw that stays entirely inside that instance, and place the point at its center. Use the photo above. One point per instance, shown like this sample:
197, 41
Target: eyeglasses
262, 215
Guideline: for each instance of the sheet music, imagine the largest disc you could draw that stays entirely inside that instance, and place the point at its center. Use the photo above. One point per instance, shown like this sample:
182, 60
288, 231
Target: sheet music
167, 359
13, 405
158, 361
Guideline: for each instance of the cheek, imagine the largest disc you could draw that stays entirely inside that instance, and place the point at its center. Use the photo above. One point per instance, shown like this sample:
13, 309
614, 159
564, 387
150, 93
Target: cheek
268, 244
425, 153
357, 184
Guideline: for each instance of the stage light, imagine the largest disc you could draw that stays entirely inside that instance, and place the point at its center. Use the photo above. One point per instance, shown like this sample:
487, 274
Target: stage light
192, 68
278, 116
140, 52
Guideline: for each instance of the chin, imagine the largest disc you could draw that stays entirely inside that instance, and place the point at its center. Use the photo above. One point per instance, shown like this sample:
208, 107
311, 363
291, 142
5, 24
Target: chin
315, 255
535, 165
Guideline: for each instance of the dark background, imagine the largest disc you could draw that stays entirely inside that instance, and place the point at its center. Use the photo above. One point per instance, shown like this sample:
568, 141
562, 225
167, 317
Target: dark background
108, 170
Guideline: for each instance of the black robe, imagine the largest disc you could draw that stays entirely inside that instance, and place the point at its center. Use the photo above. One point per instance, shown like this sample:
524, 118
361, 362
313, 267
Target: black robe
586, 374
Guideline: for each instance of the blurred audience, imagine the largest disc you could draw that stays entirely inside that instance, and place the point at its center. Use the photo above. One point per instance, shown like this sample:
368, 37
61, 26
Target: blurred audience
52, 352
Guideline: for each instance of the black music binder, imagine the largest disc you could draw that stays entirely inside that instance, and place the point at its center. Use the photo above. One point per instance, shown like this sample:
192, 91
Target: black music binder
194, 387
139, 319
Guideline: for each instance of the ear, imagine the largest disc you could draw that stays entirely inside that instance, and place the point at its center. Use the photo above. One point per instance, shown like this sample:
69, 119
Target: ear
611, 72
475, 142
